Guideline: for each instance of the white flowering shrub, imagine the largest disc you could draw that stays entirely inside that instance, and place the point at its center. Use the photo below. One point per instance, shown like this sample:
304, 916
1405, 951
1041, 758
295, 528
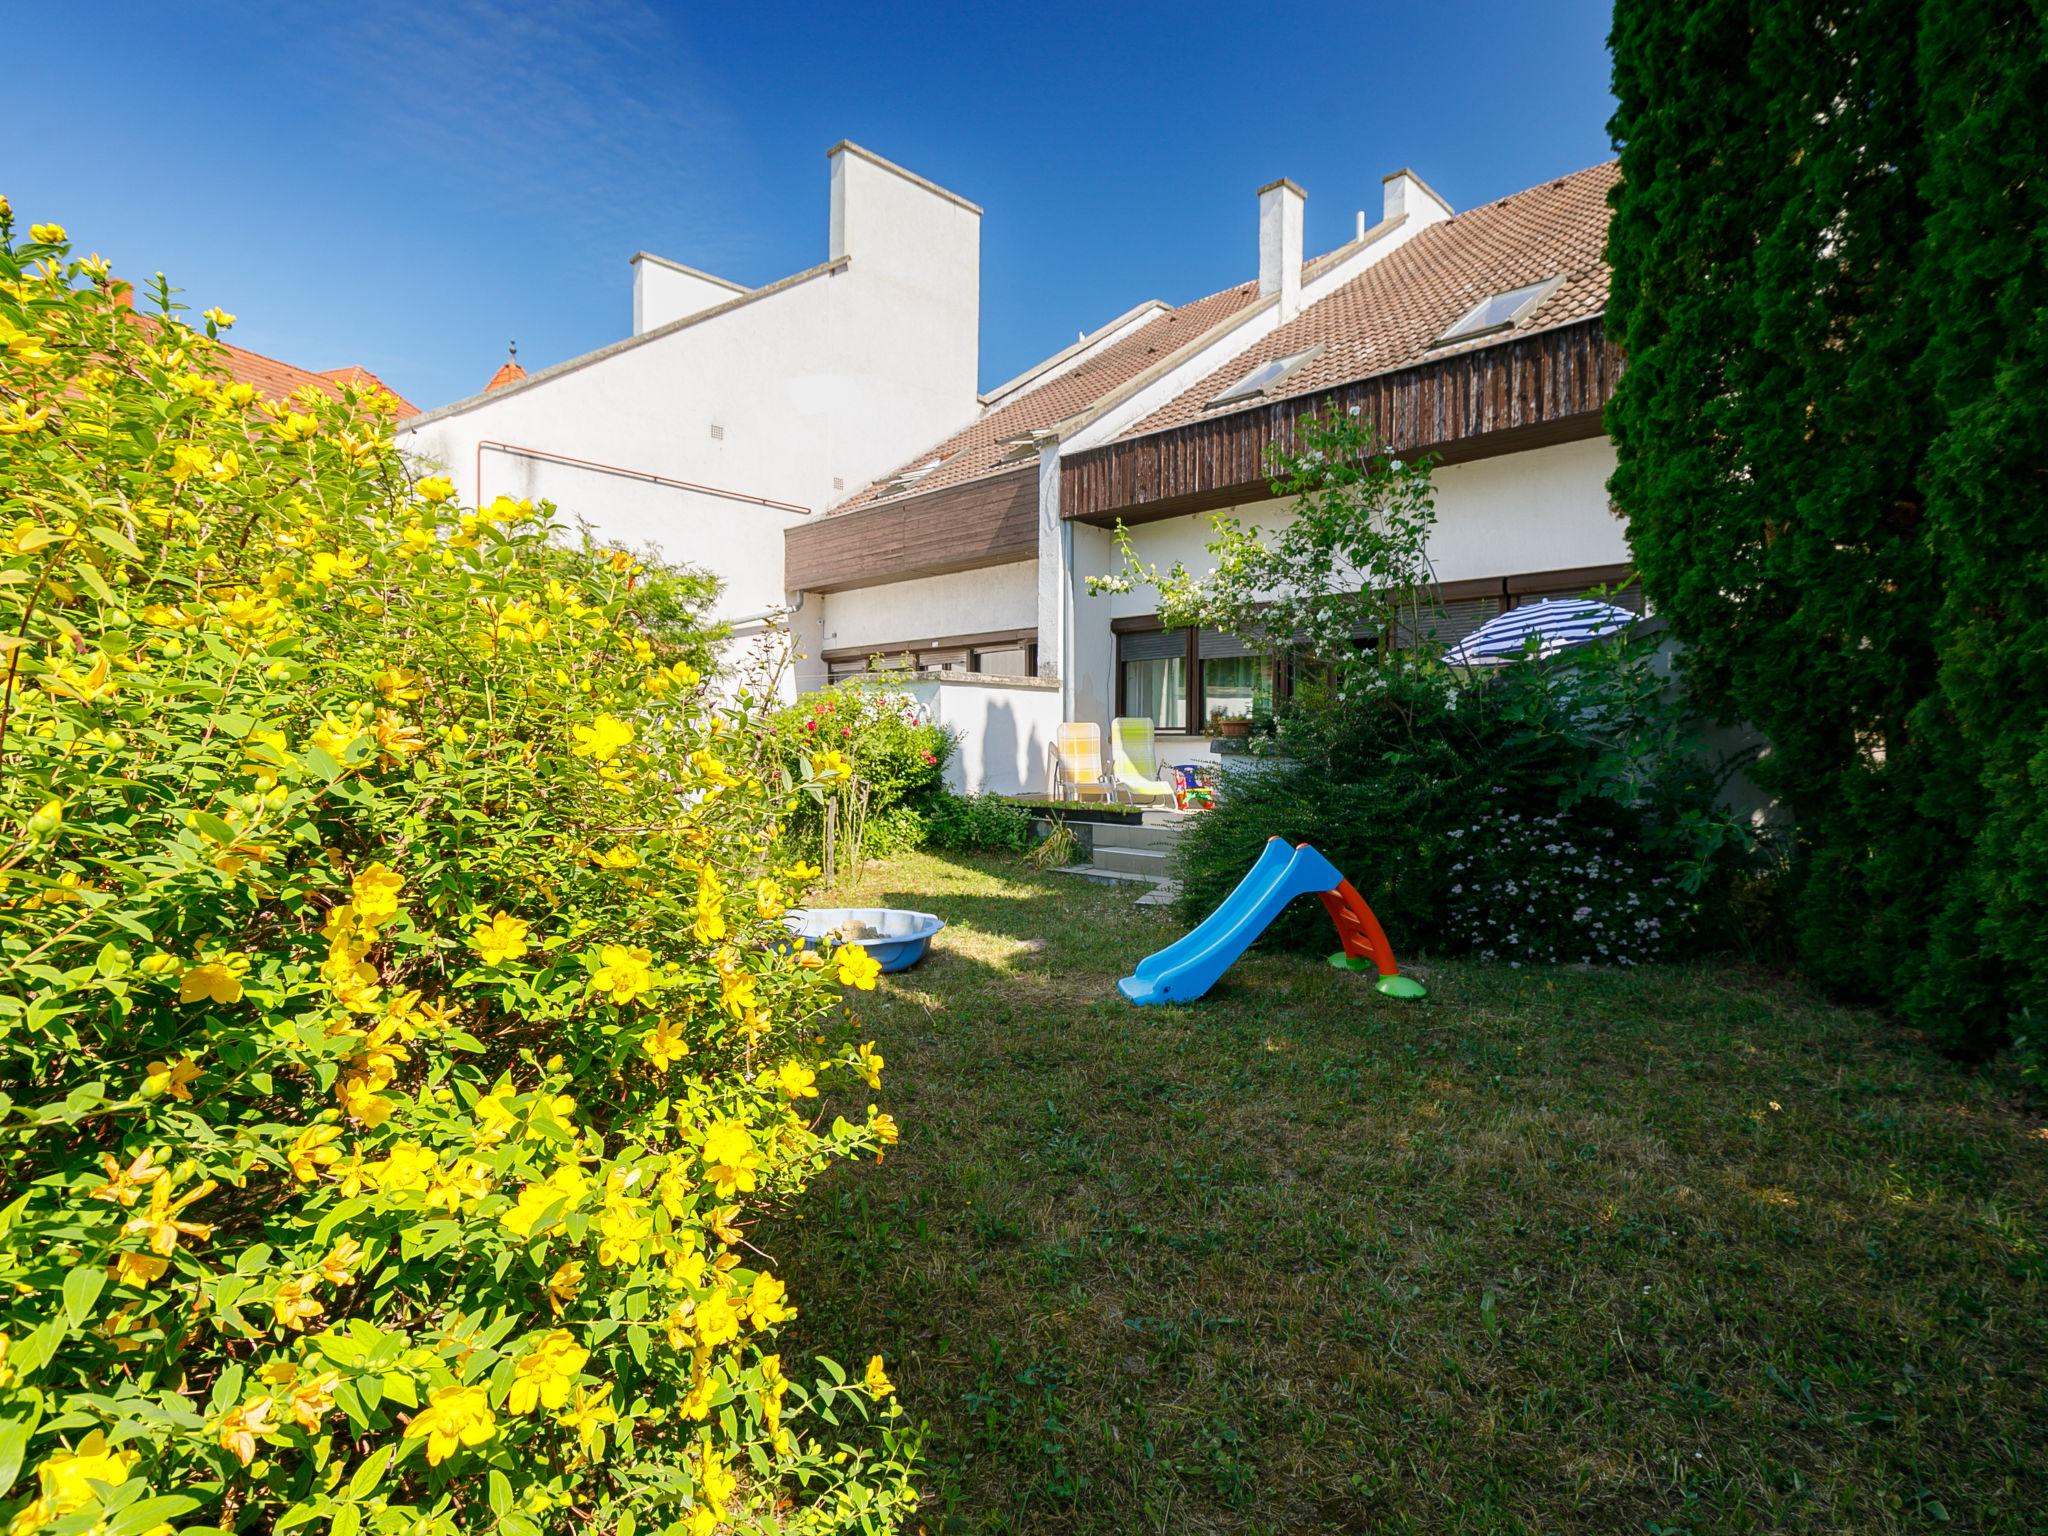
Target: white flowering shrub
1553, 890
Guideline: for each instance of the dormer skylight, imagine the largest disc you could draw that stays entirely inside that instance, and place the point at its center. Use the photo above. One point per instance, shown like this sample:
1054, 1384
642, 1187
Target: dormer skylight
1498, 312
904, 479
1263, 380
1024, 445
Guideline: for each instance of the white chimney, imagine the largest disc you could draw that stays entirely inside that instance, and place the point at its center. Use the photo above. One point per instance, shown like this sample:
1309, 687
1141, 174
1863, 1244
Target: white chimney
1404, 192
1280, 210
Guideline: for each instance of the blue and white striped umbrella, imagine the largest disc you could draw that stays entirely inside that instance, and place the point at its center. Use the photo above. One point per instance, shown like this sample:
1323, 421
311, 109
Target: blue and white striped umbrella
1556, 624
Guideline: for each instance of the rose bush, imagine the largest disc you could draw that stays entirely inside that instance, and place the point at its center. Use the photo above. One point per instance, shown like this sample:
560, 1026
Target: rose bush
395, 1044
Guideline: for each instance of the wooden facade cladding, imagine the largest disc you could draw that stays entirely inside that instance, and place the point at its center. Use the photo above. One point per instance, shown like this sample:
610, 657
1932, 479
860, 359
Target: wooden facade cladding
1528, 393
991, 521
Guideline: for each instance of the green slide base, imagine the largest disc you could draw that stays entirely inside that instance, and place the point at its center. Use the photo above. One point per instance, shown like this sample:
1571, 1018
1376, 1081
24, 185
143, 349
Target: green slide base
1389, 986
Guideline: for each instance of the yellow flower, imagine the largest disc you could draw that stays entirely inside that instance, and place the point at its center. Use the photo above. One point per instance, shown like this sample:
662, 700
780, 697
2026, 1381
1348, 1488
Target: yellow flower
500, 939
867, 1061
730, 1159
140, 1270
768, 898
590, 1414
398, 686
602, 739
831, 767
376, 894
124, 1186
220, 317
875, 1379
766, 1302
240, 1429
856, 967
465, 1181
665, 1045
47, 234
162, 1223
175, 1077
311, 1400
564, 1284
797, 1080
330, 566
623, 973
717, 1322
543, 1376
622, 1226
339, 1267
715, 1484
884, 1127
86, 685
18, 420
314, 1150
435, 489
453, 1418
560, 1191
65, 1481
294, 1305
710, 924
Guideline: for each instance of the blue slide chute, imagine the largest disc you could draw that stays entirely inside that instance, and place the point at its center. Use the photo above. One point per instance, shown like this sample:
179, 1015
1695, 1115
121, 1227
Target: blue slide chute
1184, 970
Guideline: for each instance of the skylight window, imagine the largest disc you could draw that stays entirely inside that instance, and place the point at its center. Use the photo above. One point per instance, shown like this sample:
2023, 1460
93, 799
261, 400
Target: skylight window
903, 480
1499, 311
1264, 379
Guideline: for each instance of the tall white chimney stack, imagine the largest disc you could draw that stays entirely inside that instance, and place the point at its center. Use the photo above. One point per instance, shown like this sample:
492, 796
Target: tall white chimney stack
1404, 192
1280, 215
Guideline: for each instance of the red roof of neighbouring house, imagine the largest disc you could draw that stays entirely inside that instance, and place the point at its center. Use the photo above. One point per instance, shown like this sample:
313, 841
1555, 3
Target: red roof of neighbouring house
275, 379
509, 372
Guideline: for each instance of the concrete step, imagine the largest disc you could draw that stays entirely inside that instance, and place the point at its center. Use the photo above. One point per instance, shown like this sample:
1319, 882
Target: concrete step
1158, 890
1101, 876
1137, 835
1155, 863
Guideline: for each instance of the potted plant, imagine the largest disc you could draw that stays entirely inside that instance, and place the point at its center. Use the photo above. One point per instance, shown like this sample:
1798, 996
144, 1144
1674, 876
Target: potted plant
1229, 727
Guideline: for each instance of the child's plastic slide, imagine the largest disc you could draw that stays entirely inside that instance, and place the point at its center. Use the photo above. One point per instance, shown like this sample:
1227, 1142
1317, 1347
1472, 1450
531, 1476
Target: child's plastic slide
1184, 970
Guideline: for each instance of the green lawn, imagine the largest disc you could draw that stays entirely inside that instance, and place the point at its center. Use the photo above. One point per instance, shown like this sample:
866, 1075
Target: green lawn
1671, 1250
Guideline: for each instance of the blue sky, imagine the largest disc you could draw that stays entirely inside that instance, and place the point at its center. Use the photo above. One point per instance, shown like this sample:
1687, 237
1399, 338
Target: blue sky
407, 187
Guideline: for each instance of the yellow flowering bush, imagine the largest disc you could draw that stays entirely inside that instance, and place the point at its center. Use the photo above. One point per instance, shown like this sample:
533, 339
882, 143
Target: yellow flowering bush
396, 1036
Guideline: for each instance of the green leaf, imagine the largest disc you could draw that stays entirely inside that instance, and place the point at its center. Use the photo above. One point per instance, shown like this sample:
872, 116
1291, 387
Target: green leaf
147, 1513
213, 826
119, 543
14, 1435
82, 1288
366, 1478
347, 1520
500, 1493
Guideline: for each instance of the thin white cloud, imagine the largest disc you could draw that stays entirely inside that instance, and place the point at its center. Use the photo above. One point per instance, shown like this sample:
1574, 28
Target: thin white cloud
599, 114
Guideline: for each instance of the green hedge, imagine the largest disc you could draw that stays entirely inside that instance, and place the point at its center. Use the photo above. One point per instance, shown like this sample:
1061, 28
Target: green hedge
1830, 280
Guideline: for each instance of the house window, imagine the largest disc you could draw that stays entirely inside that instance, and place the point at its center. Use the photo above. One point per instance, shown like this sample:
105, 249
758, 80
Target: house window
1010, 654
1498, 312
1235, 683
1153, 677
1264, 379
1181, 678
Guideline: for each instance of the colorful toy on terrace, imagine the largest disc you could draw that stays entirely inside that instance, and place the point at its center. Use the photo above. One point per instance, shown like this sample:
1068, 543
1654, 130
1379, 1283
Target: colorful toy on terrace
1183, 971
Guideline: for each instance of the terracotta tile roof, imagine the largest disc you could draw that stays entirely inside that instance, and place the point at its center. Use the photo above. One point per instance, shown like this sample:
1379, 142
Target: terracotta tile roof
1388, 315
980, 449
274, 379
509, 372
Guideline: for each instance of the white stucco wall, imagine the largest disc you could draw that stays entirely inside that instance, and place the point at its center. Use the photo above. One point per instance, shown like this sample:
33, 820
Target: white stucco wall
1002, 730
795, 393
1544, 510
741, 540
928, 608
664, 290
